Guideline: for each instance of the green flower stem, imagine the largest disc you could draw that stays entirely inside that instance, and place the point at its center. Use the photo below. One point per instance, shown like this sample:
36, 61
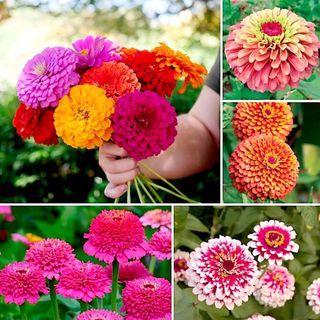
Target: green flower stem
185, 198
129, 192
54, 302
83, 306
145, 189
115, 277
152, 190
138, 191
152, 264
100, 303
116, 200
23, 313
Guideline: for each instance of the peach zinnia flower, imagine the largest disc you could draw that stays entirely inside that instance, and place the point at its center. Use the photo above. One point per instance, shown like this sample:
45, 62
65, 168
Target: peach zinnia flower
272, 49
182, 65
252, 118
264, 166
82, 118
114, 77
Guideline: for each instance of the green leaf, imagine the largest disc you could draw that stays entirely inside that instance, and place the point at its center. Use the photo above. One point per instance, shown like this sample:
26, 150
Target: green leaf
247, 309
310, 216
180, 217
195, 224
71, 304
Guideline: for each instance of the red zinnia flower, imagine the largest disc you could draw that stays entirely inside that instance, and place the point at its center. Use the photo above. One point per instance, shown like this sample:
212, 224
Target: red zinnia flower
264, 166
37, 123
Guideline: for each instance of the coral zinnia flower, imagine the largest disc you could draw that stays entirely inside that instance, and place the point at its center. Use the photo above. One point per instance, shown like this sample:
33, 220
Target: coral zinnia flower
130, 271
275, 287
182, 66
51, 256
22, 281
144, 124
37, 123
313, 296
273, 241
252, 118
147, 299
260, 317
83, 280
180, 265
115, 234
93, 51
271, 49
157, 218
95, 314
47, 77
160, 244
264, 167
116, 79
151, 76
82, 119
222, 272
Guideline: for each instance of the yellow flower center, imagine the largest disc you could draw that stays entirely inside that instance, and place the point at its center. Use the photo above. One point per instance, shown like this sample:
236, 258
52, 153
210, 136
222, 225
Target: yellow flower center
274, 238
278, 277
83, 113
267, 110
84, 52
271, 161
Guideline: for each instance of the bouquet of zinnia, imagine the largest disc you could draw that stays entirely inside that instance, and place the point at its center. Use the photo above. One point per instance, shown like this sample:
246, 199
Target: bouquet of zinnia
99, 91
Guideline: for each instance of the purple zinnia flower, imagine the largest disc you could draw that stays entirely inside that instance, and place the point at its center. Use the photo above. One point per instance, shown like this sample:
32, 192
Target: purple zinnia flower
93, 51
47, 77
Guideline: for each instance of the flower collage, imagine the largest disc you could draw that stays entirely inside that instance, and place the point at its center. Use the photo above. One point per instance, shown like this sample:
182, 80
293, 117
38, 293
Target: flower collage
160, 161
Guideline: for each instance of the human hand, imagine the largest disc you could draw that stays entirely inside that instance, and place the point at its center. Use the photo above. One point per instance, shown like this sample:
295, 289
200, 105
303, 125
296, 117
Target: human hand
118, 167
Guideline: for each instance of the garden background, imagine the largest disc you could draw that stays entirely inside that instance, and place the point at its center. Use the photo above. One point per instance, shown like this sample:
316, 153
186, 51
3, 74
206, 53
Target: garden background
35, 173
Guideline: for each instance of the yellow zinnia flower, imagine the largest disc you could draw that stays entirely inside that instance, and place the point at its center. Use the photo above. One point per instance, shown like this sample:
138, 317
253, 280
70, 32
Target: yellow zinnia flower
82, 118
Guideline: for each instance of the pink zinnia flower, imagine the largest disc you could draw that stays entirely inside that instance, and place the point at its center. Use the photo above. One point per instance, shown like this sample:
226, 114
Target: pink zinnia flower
144, 124
180, 265
94, 314
116, 234
47, 77
157, 218
273, 241
7, 213
272, 49
313, 296
84, 280
222, 272
260, 317
275, 286
51, 255
147, 299
130, 271
92, 51
160, 244
28, 239
22, 281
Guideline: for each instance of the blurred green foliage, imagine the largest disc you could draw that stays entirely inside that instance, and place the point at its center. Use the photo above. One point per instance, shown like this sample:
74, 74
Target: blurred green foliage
238, 223
66, 223
234, 89
303, 140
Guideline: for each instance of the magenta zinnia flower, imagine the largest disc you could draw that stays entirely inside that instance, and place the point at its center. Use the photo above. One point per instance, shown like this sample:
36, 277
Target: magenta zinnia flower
313, 296
157, 218
144, 124
7, 213
160, 244
51, 256
273, 241
22, 281
47, 77
95, 314
116, 234
272, 49
222, 272
92, 51
180, 265
130, 271
83, 280
147, 299
275, 286
260, 317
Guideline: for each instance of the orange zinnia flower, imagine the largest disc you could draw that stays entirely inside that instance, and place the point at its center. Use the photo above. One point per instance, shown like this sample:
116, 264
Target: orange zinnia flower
264, 166
252, 118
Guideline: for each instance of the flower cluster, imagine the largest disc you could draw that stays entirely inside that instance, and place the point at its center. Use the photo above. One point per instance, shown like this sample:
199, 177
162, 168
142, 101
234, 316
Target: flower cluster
98, 91
116, 237
263, 165
272, 49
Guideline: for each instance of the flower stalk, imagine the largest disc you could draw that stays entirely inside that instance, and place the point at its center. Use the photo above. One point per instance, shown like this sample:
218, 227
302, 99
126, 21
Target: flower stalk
54, 302
115, 277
